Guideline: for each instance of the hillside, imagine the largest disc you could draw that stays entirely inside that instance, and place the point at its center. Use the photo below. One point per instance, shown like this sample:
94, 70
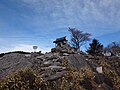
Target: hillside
61, 69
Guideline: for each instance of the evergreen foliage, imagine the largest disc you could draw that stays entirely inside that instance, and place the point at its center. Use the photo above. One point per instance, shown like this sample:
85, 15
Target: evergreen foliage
95, 48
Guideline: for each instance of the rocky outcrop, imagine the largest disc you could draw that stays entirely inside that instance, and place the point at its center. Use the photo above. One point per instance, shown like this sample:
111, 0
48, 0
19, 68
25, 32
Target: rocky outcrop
50, 68
49, 64
64, 50
13, 62
77, 61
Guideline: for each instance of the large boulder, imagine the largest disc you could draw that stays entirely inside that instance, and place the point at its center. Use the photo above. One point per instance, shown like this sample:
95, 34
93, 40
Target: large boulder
13, 62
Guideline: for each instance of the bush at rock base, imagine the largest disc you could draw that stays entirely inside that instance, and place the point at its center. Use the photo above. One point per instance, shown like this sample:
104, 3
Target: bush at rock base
25, 79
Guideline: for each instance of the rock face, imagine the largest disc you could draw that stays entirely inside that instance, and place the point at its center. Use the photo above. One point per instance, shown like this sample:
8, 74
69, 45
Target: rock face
51, 67
77, 61
13, 62
64, 49
50, 64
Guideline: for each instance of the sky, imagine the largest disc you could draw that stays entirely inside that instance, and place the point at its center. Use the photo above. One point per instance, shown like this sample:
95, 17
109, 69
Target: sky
25, 23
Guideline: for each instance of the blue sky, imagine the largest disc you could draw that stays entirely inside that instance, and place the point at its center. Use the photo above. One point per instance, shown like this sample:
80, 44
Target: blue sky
24, 23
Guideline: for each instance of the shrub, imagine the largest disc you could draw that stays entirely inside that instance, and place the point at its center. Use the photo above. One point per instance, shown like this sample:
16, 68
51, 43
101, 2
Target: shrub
25, 79
114, 77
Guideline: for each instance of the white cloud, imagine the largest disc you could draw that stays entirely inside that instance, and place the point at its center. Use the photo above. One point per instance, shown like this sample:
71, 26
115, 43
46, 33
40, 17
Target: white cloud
90, 15
28, 48
23, 47
74, 10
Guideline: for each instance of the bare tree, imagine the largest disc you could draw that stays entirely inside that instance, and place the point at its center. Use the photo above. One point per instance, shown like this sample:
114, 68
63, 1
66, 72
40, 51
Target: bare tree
113, 48
78, 38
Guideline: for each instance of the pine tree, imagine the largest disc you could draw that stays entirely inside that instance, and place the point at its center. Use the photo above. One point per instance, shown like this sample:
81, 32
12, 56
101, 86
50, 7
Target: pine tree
95, 48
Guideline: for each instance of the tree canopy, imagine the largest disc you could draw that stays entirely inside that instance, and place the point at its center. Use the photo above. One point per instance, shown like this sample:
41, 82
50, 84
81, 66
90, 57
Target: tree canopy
113, 48
78, 38
95, 48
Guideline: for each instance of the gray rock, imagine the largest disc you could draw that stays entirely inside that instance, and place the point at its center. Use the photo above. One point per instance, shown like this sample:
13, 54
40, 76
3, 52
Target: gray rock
53, 67
55, 76
77, 61
56, 63
65, 54
13, 62
47, 62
